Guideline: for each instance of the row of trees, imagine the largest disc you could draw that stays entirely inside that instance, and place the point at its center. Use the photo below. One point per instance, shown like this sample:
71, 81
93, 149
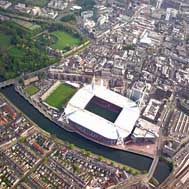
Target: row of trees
101, 158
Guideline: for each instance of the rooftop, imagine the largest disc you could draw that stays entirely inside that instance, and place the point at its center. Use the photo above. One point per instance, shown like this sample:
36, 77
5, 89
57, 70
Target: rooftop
123, 124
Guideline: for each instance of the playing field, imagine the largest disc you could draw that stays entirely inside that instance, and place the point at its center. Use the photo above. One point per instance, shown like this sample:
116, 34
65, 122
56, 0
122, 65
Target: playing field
64, 39
31, 90
103, 109
60, 96
28, 25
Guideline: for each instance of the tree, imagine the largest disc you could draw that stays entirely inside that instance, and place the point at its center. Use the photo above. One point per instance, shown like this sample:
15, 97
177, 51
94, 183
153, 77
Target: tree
83, 151
46, 159
125, 168
89, 153
71, 146
100, 158
22, 139
112, 163
75, 168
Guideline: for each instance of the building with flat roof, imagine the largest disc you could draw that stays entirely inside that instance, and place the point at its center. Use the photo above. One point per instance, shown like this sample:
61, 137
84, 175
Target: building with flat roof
137, 90
152, 109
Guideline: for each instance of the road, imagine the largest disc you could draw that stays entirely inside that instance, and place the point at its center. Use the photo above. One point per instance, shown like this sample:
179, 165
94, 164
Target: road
130, 182
160, 143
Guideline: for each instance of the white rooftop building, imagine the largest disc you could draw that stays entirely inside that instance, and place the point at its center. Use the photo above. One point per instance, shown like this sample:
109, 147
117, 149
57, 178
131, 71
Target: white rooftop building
127, 113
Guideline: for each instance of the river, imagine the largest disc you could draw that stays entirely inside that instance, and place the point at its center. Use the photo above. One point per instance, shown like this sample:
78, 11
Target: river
130, 159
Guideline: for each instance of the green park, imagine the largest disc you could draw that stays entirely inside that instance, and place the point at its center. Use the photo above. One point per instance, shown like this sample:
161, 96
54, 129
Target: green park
18, 51
60, 96
23, 45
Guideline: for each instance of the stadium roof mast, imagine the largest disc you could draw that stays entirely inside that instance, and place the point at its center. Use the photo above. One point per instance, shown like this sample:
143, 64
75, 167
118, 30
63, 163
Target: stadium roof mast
93, 82
120, 140
101, 82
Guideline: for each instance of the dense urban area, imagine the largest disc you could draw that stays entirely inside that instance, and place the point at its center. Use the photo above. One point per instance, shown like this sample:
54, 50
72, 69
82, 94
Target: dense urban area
113, 71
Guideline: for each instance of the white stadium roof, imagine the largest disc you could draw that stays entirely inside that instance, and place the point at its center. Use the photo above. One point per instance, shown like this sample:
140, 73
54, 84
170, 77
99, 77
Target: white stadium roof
123, 125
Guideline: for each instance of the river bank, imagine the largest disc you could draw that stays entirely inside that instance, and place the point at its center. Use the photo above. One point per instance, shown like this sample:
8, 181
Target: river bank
133, 160
61, 142
67, 128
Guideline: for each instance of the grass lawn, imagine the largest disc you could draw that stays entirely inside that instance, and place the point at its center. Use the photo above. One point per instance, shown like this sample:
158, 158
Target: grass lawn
60, 96
64, 39
31, 90
5, 40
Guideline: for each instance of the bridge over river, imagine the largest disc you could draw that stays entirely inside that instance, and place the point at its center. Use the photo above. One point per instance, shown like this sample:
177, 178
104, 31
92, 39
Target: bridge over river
7, 83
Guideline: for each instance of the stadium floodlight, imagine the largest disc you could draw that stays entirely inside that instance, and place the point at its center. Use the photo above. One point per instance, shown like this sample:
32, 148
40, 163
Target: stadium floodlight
119, 139
93, 83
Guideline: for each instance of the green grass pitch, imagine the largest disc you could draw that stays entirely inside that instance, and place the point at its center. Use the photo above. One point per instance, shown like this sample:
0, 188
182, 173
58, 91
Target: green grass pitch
60, 96
64, 39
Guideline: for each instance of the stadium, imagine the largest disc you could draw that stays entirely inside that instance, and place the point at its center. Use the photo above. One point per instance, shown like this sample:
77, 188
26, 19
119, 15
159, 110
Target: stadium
101, 115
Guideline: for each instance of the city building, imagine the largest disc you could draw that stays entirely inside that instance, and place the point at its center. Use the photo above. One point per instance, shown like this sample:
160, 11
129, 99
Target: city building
5, 4
137, 91
158, 4
170, 12
86, 14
